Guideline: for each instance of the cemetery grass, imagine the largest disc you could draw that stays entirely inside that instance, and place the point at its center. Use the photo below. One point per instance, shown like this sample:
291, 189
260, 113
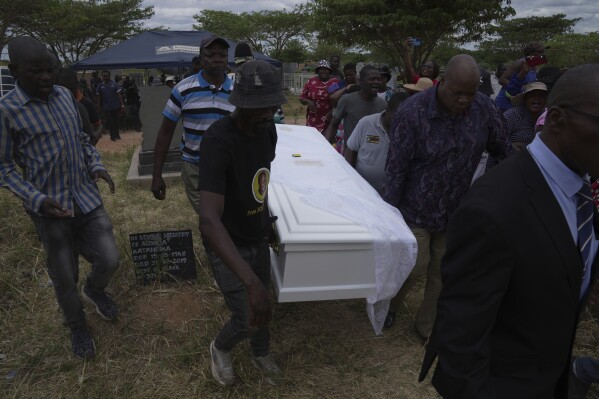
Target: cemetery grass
158, 347
295, 112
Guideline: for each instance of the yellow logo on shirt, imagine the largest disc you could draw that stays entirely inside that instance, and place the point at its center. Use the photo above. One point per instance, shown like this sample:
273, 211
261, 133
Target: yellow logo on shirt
260, 184
373, 139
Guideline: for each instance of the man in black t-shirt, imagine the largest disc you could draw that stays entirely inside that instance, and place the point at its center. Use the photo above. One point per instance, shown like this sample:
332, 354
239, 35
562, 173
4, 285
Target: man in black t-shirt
234, 167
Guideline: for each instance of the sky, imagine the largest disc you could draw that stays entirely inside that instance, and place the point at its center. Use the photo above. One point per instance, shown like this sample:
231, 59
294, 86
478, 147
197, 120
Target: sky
178, 14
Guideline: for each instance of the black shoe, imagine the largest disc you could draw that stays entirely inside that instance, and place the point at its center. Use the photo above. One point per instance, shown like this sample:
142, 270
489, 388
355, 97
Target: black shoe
82, 343
111, 139
118, 137
577, 389
105, 306
389, 320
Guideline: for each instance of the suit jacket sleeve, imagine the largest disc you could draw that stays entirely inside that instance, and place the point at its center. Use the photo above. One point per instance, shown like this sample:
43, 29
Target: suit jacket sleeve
476, 272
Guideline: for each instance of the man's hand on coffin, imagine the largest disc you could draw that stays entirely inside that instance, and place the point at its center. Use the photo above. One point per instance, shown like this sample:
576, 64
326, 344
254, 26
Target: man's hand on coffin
260, 309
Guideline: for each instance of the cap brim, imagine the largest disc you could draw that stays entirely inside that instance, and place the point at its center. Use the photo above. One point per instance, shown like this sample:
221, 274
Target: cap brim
216, 40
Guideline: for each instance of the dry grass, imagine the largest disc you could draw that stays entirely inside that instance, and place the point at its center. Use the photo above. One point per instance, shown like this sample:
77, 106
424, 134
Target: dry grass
159, 346
295, 112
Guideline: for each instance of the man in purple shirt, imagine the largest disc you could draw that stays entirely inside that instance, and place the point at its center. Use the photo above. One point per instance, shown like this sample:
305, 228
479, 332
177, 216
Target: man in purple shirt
436, 143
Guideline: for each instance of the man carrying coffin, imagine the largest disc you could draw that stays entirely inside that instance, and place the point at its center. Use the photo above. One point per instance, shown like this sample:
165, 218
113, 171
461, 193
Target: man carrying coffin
234, 171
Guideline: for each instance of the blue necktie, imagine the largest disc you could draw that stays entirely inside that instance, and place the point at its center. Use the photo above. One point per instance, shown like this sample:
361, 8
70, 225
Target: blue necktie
584, 220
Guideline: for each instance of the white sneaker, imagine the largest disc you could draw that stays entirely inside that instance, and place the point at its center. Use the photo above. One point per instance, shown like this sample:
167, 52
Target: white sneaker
222, 367
267, 364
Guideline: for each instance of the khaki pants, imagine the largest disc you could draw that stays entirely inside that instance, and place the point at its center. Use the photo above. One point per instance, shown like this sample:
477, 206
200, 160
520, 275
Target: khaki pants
191, 177
431, 248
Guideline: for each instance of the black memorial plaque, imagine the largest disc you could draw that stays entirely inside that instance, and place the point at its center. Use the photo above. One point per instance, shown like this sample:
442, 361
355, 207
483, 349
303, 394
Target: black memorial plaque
163, 255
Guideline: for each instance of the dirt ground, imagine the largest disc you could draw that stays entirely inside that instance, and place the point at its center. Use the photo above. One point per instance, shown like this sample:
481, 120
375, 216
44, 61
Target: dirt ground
128, 138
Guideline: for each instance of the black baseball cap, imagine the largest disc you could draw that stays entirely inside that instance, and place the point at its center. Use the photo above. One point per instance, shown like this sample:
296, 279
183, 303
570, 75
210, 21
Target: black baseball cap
212, 38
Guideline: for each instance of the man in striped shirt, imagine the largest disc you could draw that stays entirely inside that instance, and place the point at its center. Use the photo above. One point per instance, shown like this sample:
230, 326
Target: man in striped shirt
200, 100
41, 132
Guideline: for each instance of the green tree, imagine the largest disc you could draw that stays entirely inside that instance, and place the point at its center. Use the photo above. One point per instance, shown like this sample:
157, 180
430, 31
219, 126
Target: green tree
509, 37
237, 27
294, 51
572, 49
85, 27
385, 24
278, 28
10, 13
324, 51
447, 48
265, 31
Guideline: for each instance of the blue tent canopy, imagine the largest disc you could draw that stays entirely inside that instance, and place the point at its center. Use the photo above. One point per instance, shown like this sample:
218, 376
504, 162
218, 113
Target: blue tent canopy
156, 49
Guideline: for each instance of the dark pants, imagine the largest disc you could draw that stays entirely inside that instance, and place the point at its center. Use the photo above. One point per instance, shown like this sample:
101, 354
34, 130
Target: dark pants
237, 328
64, 239
112, 122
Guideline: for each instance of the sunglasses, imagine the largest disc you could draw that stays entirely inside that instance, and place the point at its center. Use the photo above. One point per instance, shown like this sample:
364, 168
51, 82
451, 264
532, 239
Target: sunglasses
577, 111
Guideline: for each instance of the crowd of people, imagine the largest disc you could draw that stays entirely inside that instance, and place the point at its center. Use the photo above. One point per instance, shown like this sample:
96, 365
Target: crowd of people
117, 102
484, 250
497, 193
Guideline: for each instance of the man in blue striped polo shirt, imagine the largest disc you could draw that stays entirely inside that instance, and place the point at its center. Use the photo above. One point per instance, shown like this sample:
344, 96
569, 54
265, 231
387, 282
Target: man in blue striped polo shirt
41, 132
200, 100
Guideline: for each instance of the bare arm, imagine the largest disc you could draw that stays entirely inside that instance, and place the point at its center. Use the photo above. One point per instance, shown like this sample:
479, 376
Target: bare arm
163, 141
334, 97
219, 240
407, 61
509, 72
351, 156
331, 130
308, 102
304, 97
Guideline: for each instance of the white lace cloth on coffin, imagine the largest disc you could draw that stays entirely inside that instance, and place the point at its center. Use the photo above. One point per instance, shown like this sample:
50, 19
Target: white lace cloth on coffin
331, 184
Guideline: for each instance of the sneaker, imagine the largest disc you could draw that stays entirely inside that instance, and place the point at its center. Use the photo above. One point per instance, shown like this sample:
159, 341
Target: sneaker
577, 389
83, 343
267, 364
222, 367
389, 320
105, 306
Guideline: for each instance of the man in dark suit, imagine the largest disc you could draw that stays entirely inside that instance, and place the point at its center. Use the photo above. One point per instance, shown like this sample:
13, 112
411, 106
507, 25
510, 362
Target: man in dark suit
515, 275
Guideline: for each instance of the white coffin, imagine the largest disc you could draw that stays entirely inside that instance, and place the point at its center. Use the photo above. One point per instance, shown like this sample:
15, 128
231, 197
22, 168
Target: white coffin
321, 255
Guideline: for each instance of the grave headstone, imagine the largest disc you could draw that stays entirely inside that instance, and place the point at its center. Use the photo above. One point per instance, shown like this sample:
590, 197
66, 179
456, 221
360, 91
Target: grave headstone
163, 255
154, 99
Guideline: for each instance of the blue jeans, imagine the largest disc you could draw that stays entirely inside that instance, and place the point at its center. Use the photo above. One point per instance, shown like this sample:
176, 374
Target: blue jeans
237, 328
587, 369
64, 240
